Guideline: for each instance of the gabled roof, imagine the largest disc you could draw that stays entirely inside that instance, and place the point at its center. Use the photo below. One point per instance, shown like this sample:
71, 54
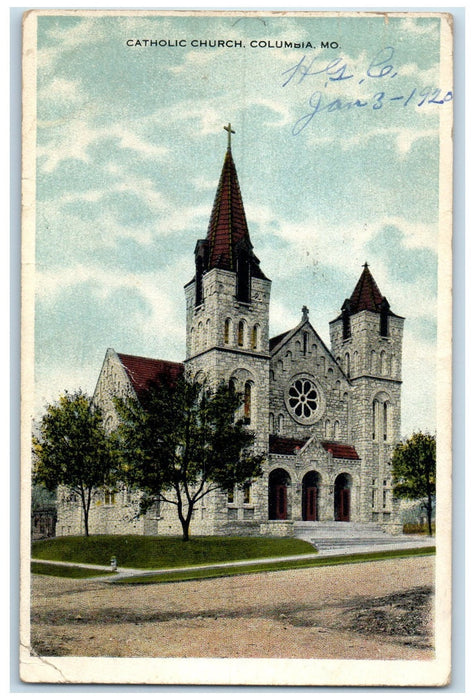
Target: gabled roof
273, 342
145, 371
340, 451
227, 227
285, 446
278, 341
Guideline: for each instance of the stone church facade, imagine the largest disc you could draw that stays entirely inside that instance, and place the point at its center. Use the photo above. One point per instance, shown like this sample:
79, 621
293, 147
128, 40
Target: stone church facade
327, 418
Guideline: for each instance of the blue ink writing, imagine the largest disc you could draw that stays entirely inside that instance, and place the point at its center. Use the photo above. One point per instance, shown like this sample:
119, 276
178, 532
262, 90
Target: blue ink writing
380, 66
316, 103
377, 102
334, 70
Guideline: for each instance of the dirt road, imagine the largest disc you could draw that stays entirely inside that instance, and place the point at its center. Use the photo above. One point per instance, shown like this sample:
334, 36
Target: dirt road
378, 610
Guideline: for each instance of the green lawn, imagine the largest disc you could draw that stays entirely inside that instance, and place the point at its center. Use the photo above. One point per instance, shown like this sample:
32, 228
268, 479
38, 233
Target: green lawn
138, 551
66, 571
219, 572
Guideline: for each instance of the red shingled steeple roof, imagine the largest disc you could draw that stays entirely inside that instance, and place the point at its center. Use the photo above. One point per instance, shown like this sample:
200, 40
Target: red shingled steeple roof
366, 295
228, 226
228, 223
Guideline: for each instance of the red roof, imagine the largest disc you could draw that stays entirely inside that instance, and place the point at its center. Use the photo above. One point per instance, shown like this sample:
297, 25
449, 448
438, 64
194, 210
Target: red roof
285, 446
228, 225
145, 371
366, 295
339, 451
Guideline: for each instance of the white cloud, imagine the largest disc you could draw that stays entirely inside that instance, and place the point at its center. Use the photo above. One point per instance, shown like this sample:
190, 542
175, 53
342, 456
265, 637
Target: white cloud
153, 287
142, 188
419, 27
78, 134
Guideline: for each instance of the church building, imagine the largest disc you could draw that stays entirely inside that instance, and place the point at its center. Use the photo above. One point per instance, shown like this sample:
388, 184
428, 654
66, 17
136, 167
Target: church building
328, 419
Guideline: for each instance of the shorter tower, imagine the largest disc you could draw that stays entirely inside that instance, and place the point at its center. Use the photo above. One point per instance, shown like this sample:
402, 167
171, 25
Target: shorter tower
366, 340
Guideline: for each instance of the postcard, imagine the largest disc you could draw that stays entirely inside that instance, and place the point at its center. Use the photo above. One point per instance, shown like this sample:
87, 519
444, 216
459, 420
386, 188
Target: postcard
236, 348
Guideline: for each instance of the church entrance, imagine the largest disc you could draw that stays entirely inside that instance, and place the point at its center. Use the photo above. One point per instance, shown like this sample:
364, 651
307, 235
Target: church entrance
310, 494
278, 483
342, 501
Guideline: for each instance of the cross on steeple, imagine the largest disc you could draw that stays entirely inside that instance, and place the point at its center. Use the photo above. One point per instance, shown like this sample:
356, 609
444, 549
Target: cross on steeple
230, 131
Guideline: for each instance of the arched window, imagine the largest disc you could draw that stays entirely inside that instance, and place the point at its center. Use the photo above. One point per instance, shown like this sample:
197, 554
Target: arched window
254, 337
199, 281
381, 418
327, 428
305, 343
241, 334
355, 361
280, 424
199, 337
207, 327
336, 430
322, 364
383, 319
347, 363
247, 402
227, 331
271, 423
374, 492
384, 362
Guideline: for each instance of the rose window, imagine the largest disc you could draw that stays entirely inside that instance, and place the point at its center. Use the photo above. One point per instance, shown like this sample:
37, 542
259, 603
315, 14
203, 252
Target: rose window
303, 399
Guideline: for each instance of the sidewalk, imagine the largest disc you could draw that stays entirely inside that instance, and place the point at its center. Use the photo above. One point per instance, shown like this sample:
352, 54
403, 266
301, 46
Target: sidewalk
124, 572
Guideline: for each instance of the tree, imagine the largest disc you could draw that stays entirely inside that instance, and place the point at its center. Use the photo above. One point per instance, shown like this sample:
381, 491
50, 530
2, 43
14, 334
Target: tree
414, 470
181, 441
72, 449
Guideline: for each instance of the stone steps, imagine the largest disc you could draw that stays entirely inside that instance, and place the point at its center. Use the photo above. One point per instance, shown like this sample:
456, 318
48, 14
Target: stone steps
337, 535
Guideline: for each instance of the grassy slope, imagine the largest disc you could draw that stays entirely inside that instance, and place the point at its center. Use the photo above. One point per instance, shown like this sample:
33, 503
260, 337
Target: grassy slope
137, 551
218, 572
66, 571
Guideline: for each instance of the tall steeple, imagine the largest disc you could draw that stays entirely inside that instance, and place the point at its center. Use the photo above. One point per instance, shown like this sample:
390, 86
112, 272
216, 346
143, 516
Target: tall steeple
228, 234
227, 306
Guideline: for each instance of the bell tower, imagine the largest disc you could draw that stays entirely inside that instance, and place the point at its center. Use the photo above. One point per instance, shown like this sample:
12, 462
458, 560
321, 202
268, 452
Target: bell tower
227, 306
366, 340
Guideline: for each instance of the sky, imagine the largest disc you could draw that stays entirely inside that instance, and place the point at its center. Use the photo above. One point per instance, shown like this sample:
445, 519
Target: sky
337, 154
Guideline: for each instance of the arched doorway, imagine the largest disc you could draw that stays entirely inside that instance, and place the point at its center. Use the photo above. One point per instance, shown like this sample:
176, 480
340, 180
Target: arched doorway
279, 480
342, 501
310, 496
